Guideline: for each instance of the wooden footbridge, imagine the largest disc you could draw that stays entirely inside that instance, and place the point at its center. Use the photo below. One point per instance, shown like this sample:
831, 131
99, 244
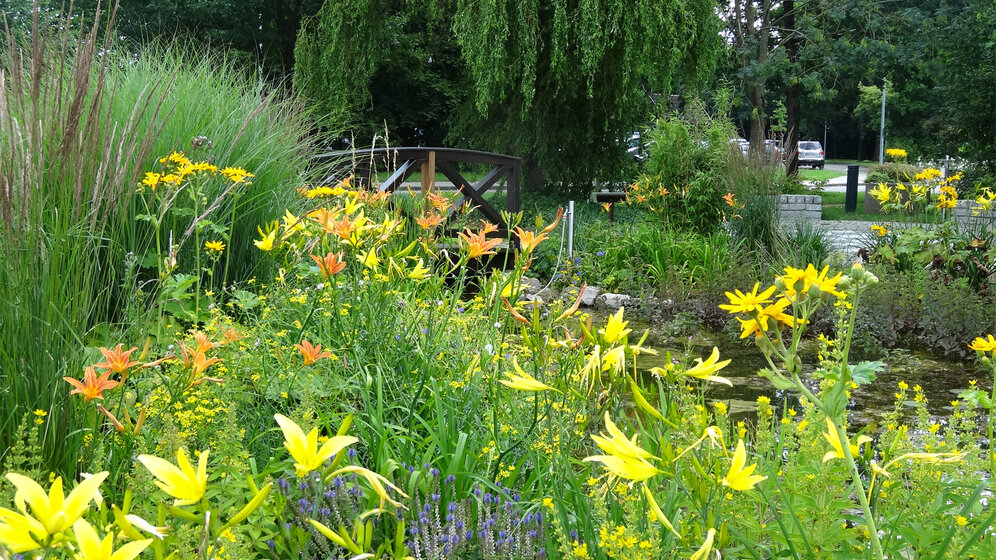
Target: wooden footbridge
402, 163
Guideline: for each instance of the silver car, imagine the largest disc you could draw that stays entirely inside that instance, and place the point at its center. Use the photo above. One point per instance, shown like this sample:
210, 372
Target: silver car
811, 153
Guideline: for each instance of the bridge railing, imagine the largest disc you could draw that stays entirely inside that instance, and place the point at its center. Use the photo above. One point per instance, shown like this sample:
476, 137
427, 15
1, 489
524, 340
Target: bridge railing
402, 163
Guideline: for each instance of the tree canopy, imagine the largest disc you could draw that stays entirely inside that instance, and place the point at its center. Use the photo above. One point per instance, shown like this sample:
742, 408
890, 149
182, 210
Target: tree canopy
560, 83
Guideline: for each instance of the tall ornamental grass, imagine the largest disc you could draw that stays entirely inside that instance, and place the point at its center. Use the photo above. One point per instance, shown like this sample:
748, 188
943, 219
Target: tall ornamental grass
76, 136
219, 112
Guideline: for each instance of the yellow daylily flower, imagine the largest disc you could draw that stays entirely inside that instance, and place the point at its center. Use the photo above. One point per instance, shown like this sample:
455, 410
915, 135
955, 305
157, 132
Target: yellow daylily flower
838, 450
740, 478
20, 533
378, 483
615, 329
304, 448
619, 444
51, 513
93, 548
625, 458
181, 482
369, 259
706, 549
705, 370
419, 272
523, 381
655, 511
266, 242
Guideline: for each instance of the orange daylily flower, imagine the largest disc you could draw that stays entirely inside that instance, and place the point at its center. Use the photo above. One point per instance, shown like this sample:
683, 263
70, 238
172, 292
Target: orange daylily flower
529, 239
477, 244
200, 365
230, 335
117, 359
553, 224
311, 353
518, 316
92, 387
203, 344
429, 221
439, 202
324, 218
728, 197
331, 264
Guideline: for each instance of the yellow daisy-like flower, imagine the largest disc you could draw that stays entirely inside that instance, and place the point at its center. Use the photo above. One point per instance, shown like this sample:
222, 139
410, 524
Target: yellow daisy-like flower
747, 302
881, 231
987, 344
216, 246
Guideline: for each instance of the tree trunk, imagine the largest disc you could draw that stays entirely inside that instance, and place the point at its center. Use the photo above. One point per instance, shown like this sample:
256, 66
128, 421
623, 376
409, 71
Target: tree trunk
792, 94
758, 123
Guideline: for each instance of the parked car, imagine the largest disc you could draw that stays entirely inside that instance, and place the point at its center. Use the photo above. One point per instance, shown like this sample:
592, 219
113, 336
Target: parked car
635, 147
742, 143
811, 153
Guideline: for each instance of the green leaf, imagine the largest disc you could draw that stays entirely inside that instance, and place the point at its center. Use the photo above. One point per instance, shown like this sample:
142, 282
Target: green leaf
977, 397
778, 380
246, 300
865, 372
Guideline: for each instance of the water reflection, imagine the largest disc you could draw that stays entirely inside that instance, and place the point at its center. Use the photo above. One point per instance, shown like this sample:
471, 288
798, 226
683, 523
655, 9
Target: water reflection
942, 381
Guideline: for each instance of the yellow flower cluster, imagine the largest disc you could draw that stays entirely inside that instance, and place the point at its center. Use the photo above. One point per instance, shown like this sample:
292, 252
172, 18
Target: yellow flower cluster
177, 168
765, 315
621, 542
895, 153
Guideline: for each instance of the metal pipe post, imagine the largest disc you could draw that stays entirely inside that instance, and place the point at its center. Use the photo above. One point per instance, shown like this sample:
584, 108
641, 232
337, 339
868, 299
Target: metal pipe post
570, 229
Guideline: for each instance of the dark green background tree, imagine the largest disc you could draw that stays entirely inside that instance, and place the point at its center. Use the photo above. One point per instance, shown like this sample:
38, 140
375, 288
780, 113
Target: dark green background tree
562, 84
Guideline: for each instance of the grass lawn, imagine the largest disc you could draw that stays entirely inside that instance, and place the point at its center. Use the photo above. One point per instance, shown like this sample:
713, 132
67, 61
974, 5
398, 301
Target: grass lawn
819, 174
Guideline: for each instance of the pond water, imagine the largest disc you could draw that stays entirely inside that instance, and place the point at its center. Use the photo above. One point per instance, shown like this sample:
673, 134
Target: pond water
942, 381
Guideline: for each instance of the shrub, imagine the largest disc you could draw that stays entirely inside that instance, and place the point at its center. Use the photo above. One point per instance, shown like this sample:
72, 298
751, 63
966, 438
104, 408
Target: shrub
891, 172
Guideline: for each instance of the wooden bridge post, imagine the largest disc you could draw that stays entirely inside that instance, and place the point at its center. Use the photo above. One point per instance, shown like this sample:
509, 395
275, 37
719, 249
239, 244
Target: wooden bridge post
429, 173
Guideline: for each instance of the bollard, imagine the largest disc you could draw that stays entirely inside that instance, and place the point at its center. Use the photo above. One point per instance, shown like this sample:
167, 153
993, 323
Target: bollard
851, 195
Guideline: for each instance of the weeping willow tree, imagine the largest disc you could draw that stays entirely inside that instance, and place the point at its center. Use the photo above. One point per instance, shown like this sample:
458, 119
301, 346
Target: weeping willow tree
560, 83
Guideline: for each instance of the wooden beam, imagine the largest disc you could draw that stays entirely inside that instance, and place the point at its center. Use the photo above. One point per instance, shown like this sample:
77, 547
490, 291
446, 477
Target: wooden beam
429, 173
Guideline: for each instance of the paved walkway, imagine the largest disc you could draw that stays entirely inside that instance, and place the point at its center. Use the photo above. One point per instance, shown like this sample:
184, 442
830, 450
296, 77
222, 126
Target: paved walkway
849, 237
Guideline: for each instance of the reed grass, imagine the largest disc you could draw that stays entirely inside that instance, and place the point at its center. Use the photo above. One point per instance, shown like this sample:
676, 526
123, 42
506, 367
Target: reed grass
81, 120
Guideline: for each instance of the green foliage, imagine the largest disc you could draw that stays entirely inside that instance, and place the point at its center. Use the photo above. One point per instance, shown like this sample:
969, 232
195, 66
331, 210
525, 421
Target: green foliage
687, 157
891, 172
918, 309
258, 33
562, 84
806, 243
